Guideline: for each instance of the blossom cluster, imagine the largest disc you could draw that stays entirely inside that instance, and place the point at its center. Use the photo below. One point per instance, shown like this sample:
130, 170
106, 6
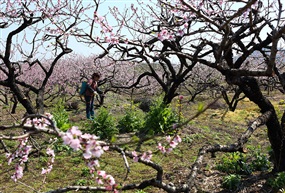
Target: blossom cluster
92, 150
49, 152
172, 143
42, 122
146, 156
106, 29
22, 152
104, 178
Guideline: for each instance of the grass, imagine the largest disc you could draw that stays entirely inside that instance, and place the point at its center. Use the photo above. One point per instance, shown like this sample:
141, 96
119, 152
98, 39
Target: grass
212, 127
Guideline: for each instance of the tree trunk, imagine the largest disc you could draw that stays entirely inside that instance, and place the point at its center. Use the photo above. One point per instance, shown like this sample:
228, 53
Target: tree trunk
275, 132
15, 103
40, 101
22, 99
170, 94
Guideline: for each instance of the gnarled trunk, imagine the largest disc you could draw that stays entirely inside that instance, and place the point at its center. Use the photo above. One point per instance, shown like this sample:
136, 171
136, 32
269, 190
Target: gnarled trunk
275, 132
22, 98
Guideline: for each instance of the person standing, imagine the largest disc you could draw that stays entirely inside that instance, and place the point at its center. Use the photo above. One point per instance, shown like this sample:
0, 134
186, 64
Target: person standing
92, 88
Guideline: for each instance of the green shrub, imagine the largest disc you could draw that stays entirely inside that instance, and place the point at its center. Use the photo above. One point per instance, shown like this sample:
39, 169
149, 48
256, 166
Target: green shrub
278, 181
159, 119
85, 172
260, 161
61, 116
231, 182
131, 121
244, 163
80, 182
234, 163
103, 125
58, 146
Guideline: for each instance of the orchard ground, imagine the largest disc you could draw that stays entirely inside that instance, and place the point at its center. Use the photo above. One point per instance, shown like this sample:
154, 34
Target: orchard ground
215, 126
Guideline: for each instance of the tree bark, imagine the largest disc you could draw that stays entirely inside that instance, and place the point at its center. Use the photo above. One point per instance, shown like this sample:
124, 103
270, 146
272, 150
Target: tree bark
22, 98
275, 132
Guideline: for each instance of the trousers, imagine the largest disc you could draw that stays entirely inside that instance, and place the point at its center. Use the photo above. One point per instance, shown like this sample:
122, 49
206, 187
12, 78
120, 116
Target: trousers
89, 100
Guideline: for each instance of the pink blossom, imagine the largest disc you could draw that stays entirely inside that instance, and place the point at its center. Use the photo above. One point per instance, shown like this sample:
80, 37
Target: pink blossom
70, 138
147, 156
75, 144
114, 40
171, 37
109, 188
86, 136
99, 181
161, 148
180, 32
135, 156
102, 173
46, 171
25, 158
93, 163
50, 152
110, 180
92, 149
67, 137
18, 173
107, 39
74, 130
173, 144
162, 35
168, 139
169, 150
105, 148
126, 41
177, 139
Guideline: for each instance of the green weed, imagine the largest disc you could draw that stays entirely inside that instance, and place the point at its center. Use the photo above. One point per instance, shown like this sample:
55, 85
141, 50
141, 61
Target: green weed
231, 182
277, 182
132, 121
61, 116
234, 163
244, 163
159, 119
104, 125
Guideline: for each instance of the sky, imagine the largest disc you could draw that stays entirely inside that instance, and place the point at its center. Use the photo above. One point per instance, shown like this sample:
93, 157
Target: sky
103, 9
80, 48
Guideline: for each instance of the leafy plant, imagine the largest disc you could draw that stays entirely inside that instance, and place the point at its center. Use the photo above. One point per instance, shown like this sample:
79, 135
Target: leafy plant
60, 147
61, 116
131, 121
187, 139
80, 182
278, 181
234, 163
244, 163
103, 125
260, 161
85, 172
231, 182
159, 119
140, 191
